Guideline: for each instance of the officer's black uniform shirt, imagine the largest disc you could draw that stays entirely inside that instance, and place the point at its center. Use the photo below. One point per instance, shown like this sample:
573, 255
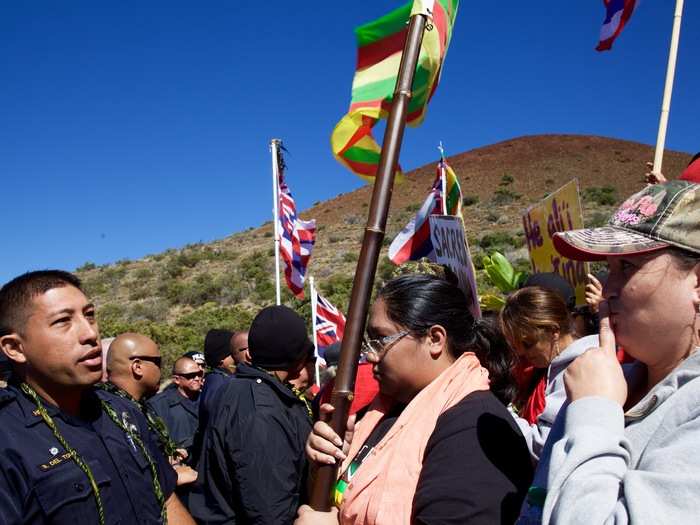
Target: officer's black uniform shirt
181, 415
40, 484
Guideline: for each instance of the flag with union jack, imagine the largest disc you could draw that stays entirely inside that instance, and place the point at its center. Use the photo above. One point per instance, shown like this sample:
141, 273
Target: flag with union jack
617, 14
413, 242
297, 237
330, 324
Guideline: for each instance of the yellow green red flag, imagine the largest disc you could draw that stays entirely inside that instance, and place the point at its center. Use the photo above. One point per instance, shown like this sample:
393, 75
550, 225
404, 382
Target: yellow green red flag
380, 45
453, 193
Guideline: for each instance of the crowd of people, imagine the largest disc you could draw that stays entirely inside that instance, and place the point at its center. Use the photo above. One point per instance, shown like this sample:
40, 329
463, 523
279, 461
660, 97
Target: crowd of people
542, 413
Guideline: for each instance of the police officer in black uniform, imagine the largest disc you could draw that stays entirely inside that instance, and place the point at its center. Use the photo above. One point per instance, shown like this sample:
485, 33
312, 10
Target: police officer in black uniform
252, 465
178, 404
70, 454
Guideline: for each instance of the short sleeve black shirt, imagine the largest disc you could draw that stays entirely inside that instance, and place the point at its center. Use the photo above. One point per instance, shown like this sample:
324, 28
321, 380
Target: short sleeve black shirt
40, 483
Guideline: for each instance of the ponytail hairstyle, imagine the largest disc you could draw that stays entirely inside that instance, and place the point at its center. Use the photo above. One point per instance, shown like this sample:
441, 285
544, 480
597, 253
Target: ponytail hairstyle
416, 302
532, 314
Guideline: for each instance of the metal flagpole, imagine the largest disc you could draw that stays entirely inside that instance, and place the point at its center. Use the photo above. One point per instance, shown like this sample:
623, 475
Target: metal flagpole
274, 148
668, 88
342, 394
313, 325
443, 181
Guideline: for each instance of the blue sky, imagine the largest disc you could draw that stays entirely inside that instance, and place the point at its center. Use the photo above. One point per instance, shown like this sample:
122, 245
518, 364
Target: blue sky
128, 127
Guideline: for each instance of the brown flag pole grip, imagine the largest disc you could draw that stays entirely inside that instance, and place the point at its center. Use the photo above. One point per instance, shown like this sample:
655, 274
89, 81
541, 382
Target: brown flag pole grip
342, 395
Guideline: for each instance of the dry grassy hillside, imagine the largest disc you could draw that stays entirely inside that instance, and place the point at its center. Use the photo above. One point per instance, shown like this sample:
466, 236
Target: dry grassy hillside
175, 296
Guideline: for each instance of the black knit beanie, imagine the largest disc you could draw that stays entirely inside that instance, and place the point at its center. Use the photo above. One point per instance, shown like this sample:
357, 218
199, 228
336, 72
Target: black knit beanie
217, 346
277, 338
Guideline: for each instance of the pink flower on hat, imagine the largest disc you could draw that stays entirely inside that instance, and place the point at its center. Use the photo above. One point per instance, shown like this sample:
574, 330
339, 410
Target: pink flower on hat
647, 206
625, 217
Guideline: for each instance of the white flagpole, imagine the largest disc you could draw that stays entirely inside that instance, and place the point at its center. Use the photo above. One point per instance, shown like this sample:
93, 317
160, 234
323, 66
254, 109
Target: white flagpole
443, 180
274, 148
313, 325
668, 88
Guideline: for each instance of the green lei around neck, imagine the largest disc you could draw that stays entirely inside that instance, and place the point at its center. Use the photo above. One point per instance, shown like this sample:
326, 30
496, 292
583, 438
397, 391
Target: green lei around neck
155, 422
299, 394
82, 464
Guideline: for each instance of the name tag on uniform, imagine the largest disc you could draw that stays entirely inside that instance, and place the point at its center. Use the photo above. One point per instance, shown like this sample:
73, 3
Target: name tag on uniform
55, 461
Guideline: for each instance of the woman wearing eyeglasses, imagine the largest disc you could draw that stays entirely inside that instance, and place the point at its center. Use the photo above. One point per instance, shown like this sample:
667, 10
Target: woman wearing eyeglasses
437, 445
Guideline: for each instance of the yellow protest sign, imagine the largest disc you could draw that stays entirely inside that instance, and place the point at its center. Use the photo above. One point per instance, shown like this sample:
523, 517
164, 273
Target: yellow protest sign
560, 211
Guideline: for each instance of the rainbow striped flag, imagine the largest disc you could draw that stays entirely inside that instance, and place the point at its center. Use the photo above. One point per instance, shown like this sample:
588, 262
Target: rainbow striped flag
413, 242
380, 46
452, 190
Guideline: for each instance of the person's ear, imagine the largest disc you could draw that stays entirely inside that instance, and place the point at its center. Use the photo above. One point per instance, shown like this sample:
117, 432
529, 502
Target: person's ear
137, 369
555, 335
13, 347
696, 289
437, 341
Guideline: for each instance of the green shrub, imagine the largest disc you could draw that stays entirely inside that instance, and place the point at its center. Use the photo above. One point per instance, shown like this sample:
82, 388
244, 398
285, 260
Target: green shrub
337, 290
603, 196
143, 274
350, 257
85, 267
504, 196
492, 216
506, 180
597, 219
470, 200
413, 208
500, 240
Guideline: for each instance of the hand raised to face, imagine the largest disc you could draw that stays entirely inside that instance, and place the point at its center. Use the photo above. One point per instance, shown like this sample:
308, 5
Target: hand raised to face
597, 372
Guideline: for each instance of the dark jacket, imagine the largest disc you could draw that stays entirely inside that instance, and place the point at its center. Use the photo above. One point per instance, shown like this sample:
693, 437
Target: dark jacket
213, 382
40, 483
181, 415
253, 463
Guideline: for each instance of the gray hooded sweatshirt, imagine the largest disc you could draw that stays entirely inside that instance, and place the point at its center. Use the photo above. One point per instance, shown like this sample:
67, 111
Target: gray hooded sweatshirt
603, 466
555, 396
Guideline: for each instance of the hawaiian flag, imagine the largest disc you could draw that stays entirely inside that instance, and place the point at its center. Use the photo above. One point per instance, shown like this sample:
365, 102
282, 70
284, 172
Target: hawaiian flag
617, 14
297, 238
380, 46
330, 324
413, 242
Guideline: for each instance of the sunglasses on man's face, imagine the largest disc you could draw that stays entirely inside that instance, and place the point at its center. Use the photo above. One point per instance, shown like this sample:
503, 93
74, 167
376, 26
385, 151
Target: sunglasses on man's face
191, 375
150, 358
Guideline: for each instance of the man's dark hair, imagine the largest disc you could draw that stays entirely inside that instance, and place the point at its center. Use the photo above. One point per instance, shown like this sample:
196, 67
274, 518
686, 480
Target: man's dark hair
16, 296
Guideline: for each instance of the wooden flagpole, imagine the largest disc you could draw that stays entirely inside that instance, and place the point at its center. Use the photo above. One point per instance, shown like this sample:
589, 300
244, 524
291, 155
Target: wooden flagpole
342, 395
274, 148
668, 88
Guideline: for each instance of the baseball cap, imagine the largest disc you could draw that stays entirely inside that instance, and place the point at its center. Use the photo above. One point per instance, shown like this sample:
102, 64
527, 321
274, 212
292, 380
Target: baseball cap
660, 216
197, 357
556, 283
